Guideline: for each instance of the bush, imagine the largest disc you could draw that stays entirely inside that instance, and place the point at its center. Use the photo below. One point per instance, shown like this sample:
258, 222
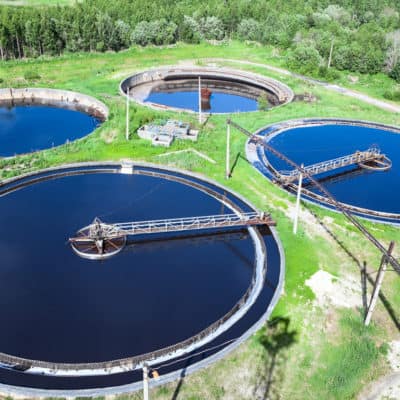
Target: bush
262, 102
250, 29
395, 72
305, 58
392, 95
328, 74
31, 75
189, 30
154, 32
212, 28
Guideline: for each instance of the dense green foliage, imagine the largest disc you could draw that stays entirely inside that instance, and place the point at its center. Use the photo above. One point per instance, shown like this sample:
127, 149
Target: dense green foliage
327, 342
356, 35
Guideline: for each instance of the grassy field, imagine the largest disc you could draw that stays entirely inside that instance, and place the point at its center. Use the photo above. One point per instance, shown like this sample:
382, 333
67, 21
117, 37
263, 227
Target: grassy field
37, 2
308, 349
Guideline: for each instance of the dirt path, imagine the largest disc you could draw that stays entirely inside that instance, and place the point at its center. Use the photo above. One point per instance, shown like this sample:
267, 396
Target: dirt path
387, 387
347, 92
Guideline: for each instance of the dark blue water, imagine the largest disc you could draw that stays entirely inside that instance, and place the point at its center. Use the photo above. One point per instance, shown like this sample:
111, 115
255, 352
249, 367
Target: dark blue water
59, 307
374, 190
219, 102
24, 129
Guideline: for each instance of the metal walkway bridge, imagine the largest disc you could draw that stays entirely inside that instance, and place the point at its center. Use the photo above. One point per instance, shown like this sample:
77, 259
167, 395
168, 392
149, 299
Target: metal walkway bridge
371, 158
101, 240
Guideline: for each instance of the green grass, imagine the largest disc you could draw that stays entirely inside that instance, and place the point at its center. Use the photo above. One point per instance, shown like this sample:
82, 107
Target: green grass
37, 2
345, 365
323, 360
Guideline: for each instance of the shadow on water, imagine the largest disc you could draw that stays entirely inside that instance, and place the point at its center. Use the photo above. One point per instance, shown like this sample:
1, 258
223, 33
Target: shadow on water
276, 338
364, 275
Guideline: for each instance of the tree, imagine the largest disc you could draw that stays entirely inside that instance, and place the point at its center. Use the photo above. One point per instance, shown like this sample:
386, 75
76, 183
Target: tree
212, 28
189, 30
305, 58
249, 29
395, 72
393, 51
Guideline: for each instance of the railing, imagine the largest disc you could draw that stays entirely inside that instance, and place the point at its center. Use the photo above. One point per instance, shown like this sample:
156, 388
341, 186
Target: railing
371, 154
192, 223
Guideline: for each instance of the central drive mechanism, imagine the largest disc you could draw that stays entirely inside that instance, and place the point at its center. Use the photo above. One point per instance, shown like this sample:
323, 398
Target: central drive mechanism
98, 241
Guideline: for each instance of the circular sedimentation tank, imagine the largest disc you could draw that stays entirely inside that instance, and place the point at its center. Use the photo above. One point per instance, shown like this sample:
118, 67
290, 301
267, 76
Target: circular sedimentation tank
367, 189
33, 119
221, 90
80, 325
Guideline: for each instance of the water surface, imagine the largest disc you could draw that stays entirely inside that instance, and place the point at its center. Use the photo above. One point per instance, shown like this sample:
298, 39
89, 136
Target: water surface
57, 306
24, 129
374, 190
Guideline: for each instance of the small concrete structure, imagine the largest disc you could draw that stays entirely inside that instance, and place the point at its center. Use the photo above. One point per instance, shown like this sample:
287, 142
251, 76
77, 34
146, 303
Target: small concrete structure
164, 135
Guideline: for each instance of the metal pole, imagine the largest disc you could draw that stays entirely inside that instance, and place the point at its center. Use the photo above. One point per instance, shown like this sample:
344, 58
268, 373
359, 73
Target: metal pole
228, 137
297, 209
378, 284
330, 54
127, 114
199, 100
145, 382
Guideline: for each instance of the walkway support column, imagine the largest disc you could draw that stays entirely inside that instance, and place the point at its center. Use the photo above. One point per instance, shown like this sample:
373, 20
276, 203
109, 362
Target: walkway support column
145, 382
297, 209
378, 284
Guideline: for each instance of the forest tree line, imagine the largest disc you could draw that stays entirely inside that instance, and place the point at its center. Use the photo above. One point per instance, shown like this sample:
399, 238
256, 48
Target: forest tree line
355, 35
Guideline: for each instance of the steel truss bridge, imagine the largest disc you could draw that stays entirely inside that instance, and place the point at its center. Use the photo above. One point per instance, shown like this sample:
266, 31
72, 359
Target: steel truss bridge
371, 158
101, 240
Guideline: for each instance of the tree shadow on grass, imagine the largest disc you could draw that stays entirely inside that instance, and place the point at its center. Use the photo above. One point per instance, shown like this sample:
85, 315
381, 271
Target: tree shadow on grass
277, 337
364, 275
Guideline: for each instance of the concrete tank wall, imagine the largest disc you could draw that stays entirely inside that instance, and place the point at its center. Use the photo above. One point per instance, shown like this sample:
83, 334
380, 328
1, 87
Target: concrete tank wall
54, 97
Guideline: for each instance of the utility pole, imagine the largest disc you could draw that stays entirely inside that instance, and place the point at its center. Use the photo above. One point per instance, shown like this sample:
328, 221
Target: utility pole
145, 382
330, 53
378, 284
127, 114
297, 209
199, 99
228, 138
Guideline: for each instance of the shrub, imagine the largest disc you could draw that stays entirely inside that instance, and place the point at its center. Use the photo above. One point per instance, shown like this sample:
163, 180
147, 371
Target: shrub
31, 75
154, 32
392, 95
328, 73
250, 29
212, 28
189, 30
263, 102
395, 72
305, 58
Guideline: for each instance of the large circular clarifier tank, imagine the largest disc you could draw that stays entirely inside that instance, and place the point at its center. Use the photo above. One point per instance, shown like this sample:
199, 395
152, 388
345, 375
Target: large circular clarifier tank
215, 90
157, 292
368, 192
38, 119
